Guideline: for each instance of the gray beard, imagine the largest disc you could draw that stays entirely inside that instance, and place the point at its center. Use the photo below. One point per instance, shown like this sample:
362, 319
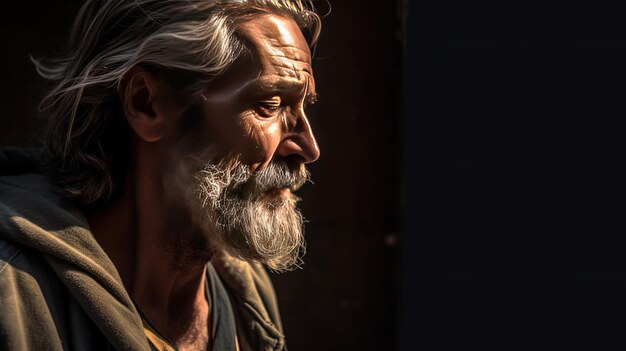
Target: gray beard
248, 216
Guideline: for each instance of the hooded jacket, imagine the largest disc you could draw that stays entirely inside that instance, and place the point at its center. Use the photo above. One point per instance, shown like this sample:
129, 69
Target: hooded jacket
60, 291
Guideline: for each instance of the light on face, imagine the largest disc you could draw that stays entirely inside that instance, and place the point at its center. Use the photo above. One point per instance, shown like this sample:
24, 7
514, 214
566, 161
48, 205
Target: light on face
285, 33
273, 128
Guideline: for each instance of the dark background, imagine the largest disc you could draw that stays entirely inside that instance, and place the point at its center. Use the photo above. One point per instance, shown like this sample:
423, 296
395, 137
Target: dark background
514, 176
471, 185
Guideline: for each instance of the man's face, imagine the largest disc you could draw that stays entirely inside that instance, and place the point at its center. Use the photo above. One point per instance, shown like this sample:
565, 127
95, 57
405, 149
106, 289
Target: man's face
258, 139
256, 109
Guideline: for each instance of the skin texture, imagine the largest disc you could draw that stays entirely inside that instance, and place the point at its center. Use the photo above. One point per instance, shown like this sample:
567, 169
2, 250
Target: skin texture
255, 111
261, 116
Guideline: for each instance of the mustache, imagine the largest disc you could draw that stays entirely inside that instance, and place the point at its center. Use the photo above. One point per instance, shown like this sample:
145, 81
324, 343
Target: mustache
232, 179
276, 175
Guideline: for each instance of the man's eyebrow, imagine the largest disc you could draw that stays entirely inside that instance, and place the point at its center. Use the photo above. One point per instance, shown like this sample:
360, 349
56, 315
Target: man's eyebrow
311, 98
267, 88
278, 87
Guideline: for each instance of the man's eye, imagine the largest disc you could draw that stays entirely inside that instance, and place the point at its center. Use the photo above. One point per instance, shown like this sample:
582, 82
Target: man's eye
269, 109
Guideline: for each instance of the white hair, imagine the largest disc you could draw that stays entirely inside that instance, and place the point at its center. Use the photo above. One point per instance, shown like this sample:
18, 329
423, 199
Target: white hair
248, 223
188, 42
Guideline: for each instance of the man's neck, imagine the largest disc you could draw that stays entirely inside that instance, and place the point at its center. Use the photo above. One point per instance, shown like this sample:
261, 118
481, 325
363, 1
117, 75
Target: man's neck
169, 289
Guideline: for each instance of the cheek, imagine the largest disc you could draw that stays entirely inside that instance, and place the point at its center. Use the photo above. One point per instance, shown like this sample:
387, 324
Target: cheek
242, 134
263, 137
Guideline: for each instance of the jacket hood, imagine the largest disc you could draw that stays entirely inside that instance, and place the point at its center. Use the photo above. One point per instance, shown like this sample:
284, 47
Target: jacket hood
33, 216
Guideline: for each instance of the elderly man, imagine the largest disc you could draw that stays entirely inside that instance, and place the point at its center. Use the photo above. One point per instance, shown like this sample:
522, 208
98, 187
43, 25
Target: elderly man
177, 137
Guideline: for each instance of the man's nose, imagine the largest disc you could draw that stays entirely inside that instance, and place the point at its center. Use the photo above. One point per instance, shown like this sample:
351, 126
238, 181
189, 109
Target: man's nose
299, 139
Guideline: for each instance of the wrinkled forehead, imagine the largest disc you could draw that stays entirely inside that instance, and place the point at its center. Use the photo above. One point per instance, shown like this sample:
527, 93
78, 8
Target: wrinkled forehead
275, 31
278, 41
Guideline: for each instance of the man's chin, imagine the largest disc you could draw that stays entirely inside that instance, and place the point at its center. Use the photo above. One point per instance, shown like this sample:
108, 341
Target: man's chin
277, 199
268, 231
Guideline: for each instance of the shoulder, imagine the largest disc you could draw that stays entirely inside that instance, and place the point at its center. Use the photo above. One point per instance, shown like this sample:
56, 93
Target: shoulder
25, 276
30, 218
32, 195
45, 247
29, 209
27, 206
32, 300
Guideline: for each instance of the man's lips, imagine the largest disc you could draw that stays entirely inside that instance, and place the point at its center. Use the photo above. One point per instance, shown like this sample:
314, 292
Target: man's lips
279, 191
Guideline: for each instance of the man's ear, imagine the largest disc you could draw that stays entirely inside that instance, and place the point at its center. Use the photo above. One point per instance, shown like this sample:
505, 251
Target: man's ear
140, 93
